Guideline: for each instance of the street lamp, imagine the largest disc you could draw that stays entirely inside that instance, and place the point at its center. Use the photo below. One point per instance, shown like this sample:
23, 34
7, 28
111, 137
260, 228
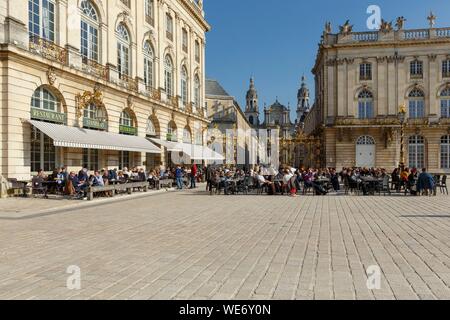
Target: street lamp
402, 118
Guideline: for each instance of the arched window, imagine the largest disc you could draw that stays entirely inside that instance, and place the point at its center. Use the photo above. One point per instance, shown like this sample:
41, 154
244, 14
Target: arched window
172, 134
187, 137
184, 86
445, 103
416, 104
197, 92
95, 117
365, 141
151, 128
251, 119
89, 32
43, 152
123, 51
416, 152
126, 120
42, 19
365, 105
445, 152
45, 100
149, 65
168, 76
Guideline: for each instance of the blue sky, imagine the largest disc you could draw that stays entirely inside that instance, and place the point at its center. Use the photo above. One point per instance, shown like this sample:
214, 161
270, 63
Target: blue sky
276, 40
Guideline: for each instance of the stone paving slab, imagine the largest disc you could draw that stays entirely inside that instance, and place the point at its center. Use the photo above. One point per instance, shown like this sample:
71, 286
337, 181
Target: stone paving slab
190, 245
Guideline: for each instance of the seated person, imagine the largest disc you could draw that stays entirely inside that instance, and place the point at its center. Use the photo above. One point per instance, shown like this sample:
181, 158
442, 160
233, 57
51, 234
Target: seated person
80, 186
266, 183
141, 175
97, 180
38, 181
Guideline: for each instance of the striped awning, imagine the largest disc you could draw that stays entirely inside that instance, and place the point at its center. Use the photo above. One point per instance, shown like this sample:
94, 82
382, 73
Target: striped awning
194, 152
74, 137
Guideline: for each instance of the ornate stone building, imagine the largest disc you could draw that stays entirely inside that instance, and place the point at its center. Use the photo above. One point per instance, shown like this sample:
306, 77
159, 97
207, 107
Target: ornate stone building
277, 117
364, 79
229, 128
89, 82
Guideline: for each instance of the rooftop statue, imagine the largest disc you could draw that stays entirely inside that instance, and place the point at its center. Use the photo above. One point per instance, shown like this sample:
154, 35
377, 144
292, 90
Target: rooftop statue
400, 24
346, 28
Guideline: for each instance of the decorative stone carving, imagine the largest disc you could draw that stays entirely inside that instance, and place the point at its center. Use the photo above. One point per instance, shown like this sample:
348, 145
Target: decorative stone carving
86, 98
432, 57
130, 102
388, 135
51, 76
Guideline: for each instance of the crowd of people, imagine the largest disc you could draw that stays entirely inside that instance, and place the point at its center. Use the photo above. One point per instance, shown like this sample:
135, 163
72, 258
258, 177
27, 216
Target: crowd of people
60, 181
320, 181
284, 180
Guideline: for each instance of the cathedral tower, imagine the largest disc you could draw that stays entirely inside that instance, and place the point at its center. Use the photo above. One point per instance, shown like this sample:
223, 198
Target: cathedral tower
252, 108
303, 105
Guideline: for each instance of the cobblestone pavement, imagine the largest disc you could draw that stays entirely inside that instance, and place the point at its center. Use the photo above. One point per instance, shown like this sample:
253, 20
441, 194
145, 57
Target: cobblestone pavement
190, 245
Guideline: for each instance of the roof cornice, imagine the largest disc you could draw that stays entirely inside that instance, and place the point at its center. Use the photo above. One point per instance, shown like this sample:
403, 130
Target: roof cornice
196, 13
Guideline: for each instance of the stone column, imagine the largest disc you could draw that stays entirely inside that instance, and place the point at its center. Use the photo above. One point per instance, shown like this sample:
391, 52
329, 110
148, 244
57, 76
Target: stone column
433, 102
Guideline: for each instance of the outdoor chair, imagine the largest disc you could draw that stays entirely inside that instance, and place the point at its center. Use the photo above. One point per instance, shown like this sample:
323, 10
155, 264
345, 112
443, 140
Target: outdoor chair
384, 186
442, 185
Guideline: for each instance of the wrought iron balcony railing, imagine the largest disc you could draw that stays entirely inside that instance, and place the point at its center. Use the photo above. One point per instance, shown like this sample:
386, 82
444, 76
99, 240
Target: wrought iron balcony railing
48, 49
95, 68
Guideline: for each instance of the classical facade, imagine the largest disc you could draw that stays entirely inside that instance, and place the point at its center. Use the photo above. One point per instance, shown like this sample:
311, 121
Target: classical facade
277, 119
229, 129
89, 82
367, 81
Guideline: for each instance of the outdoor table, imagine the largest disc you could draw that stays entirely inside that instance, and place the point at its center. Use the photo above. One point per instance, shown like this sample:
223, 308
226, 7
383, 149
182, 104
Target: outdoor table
371, 183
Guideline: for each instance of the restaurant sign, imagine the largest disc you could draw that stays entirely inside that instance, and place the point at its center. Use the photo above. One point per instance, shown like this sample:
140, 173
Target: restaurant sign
50, 116
128, 130
95, 124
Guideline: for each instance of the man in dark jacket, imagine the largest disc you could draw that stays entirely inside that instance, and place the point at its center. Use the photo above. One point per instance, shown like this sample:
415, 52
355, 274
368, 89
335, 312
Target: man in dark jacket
425, 183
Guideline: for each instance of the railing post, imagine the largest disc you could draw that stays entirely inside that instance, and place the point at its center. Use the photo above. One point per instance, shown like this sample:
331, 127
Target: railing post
74, 59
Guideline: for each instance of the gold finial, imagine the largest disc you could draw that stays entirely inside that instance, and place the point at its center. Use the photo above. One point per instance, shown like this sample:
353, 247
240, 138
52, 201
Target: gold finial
402, 108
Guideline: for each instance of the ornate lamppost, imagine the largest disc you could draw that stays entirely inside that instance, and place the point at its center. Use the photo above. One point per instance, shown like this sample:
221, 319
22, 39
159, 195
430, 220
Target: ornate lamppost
402, 118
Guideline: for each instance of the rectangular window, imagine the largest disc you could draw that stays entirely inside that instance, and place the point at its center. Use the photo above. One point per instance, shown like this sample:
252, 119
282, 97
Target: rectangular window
123, 59
148, 73
43, 152
446, 69
124, 160
445, 108
89, 42
169, 27
149, 12
365, 71
416, 109
197, 51
416, 69
90, 159
185, 41
41, 19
